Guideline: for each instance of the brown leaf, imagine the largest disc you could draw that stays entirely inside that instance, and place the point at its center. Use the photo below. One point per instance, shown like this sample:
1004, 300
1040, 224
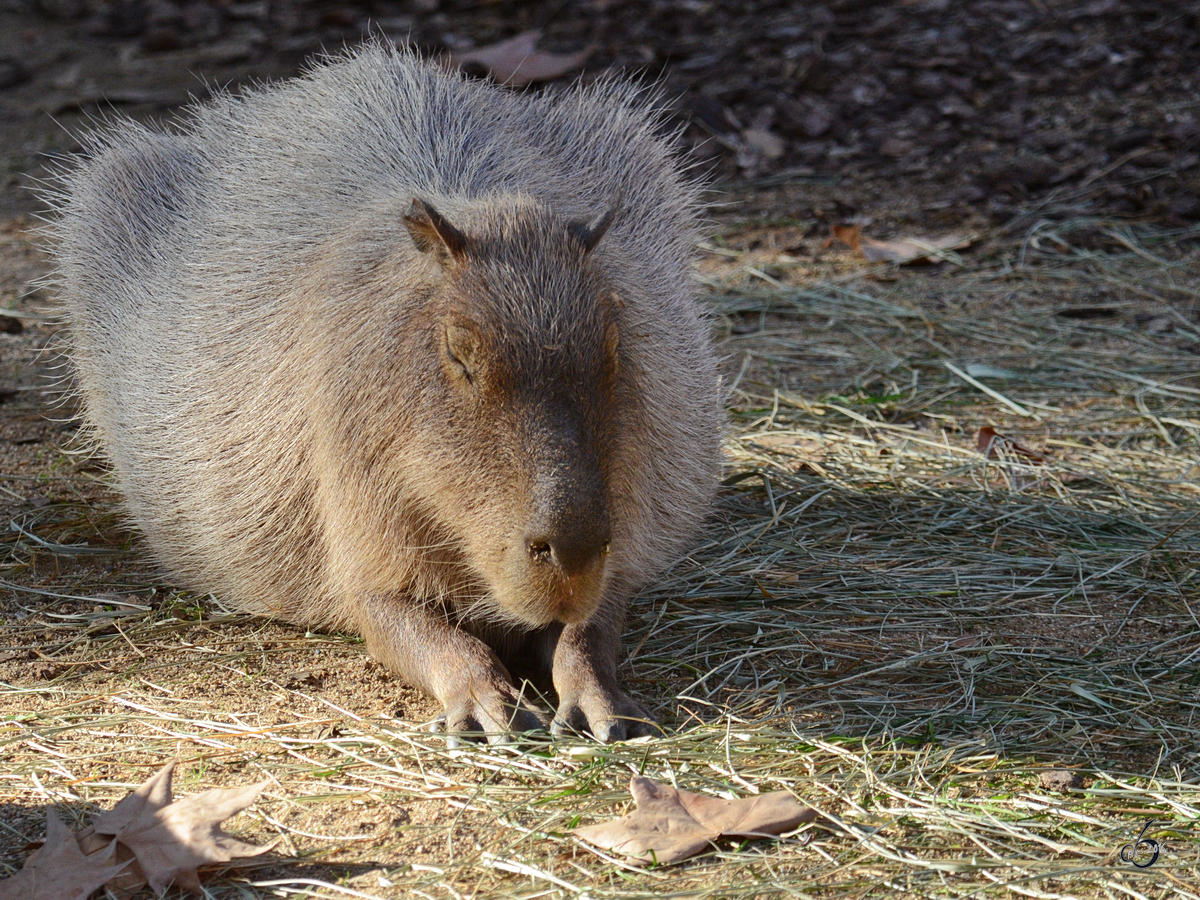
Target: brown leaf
990, 442
518, 62
60, 870
850, 235
172, 839
670, 825
986, 441
901, 251
764, 815
130, 879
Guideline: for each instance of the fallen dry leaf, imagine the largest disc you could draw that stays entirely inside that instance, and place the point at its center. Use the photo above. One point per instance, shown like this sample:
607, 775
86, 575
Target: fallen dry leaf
670, 825
518, 62
60, 870
172, 839
155, 841
990, 442
901, 251
130, 879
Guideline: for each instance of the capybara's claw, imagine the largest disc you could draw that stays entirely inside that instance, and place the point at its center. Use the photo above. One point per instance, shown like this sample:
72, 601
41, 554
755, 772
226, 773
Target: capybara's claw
605, 717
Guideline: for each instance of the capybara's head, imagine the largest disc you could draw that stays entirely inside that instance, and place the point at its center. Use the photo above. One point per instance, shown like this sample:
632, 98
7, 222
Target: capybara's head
519, 413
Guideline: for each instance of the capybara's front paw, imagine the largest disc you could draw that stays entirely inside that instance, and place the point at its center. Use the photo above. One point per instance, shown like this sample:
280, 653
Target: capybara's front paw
493, 712
606, 715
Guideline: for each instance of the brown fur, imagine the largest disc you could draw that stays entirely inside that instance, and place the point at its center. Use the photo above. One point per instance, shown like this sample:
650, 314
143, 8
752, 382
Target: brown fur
366, 352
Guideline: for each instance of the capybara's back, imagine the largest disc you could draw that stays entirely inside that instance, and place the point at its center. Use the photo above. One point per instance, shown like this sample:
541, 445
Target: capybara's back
384, 349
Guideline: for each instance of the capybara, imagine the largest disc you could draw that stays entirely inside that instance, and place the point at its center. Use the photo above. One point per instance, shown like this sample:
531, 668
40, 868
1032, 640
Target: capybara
386, 350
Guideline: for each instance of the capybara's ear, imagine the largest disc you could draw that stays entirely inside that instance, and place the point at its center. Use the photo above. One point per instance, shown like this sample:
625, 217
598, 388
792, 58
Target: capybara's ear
588, 234
432, 233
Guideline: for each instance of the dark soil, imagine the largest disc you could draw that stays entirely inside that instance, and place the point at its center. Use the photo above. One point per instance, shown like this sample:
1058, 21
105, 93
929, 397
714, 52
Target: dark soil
888, 111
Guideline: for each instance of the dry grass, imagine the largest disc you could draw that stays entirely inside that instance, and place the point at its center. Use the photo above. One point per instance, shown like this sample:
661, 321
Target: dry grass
903, 630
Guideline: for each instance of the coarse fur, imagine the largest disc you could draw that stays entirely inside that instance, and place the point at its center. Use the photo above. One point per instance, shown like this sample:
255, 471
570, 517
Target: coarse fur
350, 340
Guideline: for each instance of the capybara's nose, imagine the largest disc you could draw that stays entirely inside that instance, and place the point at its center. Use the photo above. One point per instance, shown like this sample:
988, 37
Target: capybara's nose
572, 550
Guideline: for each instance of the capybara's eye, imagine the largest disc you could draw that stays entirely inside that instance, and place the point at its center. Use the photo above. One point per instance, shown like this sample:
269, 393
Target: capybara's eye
460, 347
